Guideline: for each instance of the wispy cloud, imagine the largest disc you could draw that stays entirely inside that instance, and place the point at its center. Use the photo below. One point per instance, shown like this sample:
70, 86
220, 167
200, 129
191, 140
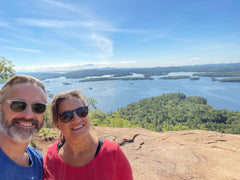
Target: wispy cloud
26, 38
5, 25
72, 67
24, 50
194, 59
104, 44
218, 45
82, 10
61, 5
45, 23
68, 19
163, 33
131, 31
91, 25
96, 31
95, 22
5, 40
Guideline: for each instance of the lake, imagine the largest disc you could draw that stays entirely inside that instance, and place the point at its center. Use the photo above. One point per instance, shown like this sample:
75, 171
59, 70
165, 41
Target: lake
115, 94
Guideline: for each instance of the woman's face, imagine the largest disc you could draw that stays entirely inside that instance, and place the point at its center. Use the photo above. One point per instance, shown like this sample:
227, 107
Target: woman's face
78, 126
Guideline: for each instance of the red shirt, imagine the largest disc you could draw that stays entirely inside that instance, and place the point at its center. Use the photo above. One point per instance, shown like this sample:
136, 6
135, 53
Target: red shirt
110, 163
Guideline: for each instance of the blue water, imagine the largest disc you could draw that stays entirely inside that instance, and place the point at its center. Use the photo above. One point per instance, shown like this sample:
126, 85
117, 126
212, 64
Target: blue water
112, 95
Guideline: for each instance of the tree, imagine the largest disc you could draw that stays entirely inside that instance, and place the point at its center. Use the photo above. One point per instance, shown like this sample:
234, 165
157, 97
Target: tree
92, 103
6, 69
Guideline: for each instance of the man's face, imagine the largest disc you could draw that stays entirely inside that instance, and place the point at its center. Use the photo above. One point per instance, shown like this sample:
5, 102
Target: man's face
22, 126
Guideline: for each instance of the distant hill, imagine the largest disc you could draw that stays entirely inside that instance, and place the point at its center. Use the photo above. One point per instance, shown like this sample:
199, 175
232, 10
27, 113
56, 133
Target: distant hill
147, 72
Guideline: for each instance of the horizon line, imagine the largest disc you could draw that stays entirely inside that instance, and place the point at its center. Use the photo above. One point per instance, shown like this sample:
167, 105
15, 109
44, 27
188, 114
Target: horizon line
62, 69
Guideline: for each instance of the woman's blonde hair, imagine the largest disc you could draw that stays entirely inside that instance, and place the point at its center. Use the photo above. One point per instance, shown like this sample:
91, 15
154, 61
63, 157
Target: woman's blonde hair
62, 96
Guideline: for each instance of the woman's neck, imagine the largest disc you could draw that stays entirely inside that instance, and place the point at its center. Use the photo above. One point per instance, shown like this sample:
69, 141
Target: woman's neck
79, 152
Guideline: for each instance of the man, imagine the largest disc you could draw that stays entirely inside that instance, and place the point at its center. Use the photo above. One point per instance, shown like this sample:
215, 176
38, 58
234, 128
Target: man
23, 101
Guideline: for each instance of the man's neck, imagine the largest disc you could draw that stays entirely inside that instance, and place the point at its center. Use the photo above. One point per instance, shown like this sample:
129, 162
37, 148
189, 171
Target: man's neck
14, 150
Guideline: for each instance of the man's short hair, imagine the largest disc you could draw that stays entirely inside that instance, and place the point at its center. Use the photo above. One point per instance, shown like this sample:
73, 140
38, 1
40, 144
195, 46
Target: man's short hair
19, 79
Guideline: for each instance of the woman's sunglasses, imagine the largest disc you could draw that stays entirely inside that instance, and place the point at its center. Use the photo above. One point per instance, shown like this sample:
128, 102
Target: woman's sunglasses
20, 106
67, 116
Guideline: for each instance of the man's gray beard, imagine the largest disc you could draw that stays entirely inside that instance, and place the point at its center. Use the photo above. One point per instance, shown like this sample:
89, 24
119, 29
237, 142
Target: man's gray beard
16, 133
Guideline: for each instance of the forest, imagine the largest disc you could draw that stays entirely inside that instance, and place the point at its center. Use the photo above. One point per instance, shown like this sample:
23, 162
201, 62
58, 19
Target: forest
169, 112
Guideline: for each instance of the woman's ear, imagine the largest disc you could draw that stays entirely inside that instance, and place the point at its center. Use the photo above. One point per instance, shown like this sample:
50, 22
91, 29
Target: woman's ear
57, 125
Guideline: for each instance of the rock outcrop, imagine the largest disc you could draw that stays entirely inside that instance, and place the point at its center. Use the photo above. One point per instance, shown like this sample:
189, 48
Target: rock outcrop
182, 155
195, 155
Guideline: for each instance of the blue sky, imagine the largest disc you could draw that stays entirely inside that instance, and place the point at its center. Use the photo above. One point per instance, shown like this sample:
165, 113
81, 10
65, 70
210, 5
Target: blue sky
41, 35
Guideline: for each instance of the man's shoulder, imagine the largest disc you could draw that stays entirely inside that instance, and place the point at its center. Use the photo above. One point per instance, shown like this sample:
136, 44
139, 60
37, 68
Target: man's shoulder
31, 151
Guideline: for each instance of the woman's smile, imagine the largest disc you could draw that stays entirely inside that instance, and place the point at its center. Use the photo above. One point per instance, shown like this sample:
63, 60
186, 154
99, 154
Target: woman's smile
78, 127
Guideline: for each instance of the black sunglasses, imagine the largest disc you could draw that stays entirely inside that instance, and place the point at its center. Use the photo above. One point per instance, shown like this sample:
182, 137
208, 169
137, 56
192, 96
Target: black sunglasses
67, 116
20, 106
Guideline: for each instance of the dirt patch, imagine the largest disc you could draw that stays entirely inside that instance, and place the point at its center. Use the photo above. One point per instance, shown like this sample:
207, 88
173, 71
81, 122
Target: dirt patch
42, 142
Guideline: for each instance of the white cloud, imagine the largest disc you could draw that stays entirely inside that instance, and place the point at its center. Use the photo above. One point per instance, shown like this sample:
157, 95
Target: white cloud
5, 40
72, 67
61, 5
3, 24
67, 21
194, 59
104, 44
58, 23
88, 18
24, 50
91, 25
27, 38
163, 33
45, 23
70, 8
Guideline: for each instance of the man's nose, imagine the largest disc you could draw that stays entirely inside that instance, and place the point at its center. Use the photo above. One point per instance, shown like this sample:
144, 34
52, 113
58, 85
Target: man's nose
28, 113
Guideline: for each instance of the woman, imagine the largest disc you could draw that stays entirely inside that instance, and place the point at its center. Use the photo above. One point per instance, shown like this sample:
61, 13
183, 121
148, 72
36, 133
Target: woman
80, 155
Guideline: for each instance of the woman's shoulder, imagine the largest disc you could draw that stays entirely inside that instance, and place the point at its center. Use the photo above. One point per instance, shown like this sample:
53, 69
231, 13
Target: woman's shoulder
54, 144
110, 145
113, 150
52, 148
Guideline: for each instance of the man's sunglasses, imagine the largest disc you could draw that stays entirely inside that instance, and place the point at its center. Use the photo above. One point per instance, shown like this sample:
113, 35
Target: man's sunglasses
67, 116
20, 106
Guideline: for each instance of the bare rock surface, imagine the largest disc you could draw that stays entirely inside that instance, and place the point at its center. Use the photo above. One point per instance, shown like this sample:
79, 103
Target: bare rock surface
195, 154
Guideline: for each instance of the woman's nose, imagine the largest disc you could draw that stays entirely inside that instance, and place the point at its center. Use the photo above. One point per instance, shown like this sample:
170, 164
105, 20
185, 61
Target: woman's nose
75, 116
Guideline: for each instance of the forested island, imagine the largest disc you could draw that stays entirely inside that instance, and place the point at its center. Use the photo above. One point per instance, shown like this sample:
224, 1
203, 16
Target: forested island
114, 78
175, 77
172, 111
209, 70
232, 76
226, 79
